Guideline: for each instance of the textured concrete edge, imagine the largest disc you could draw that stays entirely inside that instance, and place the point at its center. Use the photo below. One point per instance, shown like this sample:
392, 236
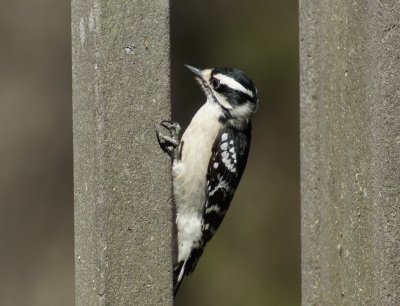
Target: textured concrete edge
384, 31
123, 216
309, 149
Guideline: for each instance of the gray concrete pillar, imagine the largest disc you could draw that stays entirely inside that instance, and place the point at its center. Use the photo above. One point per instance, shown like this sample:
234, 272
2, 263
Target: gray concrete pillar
350, 152
122, 180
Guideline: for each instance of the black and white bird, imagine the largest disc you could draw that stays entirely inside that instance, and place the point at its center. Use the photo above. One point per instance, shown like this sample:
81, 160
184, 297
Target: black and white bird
209, 160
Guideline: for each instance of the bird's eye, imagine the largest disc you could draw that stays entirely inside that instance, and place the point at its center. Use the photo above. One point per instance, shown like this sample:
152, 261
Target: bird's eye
215, 83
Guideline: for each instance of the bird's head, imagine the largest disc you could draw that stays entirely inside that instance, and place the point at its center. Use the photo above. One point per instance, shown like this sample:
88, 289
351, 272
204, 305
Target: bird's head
233, 91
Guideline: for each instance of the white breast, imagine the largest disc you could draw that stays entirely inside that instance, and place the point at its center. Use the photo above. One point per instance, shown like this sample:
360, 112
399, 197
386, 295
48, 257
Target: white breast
189, 175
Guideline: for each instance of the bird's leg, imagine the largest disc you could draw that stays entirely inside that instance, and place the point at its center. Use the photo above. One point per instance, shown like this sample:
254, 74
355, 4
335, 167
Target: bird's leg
169, 144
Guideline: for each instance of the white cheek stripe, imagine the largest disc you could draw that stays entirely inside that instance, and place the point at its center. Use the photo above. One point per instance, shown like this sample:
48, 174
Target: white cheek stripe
232, 83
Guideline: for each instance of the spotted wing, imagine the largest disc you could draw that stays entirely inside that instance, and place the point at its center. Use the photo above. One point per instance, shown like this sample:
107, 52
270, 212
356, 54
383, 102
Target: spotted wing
227, 164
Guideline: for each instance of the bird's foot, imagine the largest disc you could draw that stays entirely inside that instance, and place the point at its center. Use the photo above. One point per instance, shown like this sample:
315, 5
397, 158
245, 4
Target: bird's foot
169, 144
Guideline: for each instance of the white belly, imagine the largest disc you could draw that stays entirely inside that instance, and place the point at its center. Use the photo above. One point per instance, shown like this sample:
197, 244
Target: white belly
189, 175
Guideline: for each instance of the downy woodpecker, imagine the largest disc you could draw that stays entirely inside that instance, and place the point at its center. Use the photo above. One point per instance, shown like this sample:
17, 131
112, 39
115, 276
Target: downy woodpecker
208, 161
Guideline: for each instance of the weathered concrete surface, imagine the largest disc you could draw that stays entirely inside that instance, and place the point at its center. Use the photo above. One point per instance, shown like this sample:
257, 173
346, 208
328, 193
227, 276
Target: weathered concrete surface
122, 179
350, 152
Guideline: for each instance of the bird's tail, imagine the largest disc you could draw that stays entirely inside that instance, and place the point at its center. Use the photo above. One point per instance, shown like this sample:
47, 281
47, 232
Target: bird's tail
179, 271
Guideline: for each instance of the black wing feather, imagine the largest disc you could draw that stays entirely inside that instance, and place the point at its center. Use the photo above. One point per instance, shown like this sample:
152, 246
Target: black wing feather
225, 169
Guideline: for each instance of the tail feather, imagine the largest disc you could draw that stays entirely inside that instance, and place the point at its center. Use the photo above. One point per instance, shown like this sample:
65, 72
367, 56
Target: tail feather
179, 271
186, 267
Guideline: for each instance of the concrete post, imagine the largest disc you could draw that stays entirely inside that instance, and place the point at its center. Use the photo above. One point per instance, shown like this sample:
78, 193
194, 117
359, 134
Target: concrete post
350, 152
122, 179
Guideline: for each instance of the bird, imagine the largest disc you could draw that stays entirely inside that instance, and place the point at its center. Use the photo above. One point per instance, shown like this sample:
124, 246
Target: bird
208, 161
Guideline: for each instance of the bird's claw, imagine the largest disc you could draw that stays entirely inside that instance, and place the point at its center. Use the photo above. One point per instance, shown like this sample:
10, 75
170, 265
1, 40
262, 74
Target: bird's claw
169, 144
173, 127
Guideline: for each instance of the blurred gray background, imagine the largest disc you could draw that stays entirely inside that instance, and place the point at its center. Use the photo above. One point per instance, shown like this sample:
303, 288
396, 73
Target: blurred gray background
255, 257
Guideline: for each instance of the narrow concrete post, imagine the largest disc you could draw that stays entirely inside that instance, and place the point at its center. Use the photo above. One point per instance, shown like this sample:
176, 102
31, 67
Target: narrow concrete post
122, 179
350, 152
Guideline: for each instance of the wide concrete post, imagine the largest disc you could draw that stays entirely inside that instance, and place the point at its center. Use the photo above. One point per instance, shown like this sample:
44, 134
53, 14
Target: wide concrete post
350, 152
122, 179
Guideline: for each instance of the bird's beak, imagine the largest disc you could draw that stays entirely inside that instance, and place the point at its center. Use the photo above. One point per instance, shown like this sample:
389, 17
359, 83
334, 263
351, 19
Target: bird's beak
202, 79
202, 76
196, 71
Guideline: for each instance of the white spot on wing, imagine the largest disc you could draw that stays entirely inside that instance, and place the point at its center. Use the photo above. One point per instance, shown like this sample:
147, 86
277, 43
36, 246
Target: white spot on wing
215, 165
224, 136
224, 146
212, 208
222, 184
